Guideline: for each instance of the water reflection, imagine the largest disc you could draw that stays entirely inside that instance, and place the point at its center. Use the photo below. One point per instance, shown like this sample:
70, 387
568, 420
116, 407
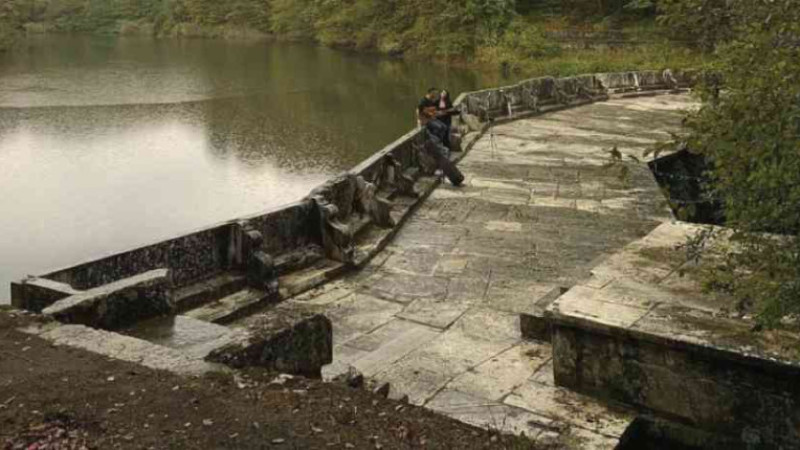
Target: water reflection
110, 143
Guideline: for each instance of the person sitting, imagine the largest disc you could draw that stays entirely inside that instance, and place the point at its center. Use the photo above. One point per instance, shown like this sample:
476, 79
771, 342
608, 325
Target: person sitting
435, 131
429, 99
445, 113
444, 106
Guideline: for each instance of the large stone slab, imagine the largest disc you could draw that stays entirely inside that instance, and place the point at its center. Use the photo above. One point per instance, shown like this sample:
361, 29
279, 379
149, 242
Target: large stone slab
116, 304
502, 374
642, 337
357, 314
489, 414
124, 348
193, 337
285, 339
569, 408
390, 343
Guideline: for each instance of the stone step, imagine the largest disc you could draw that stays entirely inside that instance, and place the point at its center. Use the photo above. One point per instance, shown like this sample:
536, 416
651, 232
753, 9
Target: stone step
124, 348
246, 301
216, 287
371, 239
300, 281
194, 337
533, 323
231, 307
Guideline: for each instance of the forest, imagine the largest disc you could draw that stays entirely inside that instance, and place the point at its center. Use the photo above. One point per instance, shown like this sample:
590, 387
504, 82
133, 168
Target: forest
510, 34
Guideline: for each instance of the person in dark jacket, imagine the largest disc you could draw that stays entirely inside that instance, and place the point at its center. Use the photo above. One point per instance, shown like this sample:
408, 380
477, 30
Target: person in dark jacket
431, 98
435, 133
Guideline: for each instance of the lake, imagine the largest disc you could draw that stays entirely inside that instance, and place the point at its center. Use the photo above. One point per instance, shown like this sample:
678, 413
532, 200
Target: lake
108, 143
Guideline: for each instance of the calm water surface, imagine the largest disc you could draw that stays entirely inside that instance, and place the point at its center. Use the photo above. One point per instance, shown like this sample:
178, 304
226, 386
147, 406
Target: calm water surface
109, 143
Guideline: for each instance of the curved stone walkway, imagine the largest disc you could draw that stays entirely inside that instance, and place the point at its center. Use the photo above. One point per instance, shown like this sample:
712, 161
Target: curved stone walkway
437, 314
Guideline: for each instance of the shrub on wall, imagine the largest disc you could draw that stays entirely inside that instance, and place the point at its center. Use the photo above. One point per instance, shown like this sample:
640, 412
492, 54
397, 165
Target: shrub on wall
750, 131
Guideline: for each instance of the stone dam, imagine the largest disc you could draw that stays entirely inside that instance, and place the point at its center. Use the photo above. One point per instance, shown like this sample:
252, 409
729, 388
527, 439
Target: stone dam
546, 296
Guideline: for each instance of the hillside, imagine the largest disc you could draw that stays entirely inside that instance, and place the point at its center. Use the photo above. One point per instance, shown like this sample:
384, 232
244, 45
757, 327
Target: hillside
500, 34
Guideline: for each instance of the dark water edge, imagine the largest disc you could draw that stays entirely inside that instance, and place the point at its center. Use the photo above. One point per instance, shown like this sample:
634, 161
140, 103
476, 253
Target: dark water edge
112, 142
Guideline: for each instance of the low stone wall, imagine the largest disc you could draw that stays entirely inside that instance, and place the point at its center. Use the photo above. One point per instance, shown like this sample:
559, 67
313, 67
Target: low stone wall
746, 403
115, 305
642, 332
547, 93
189, 258
264, 246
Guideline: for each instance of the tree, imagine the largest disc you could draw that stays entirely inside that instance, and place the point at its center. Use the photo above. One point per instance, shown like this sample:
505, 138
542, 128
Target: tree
750, 133
10, 23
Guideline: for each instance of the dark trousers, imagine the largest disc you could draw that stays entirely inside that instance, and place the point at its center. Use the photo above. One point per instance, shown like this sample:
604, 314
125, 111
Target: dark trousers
436, 149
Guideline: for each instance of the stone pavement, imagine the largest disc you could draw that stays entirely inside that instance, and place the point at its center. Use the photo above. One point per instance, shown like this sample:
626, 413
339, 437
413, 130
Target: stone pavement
436, 314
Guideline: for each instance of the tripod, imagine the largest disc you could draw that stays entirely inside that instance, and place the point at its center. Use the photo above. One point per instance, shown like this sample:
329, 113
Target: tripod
492, 141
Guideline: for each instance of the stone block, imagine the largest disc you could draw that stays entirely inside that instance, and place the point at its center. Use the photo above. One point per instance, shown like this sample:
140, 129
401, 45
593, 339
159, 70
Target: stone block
501, 374
572, 409
287, 340
124, 348
374, 352
116, 304
726, 395
480, 412
35, 294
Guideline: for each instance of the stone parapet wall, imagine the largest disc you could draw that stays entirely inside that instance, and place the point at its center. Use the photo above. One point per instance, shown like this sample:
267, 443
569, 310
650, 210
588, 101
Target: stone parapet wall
282, 240
544, 93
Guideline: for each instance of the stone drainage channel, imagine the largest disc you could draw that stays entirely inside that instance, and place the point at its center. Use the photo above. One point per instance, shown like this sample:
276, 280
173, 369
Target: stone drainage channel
449, 312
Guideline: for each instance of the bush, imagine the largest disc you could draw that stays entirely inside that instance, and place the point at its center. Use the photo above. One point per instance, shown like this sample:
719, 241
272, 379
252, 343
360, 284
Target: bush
10, 24
750, 131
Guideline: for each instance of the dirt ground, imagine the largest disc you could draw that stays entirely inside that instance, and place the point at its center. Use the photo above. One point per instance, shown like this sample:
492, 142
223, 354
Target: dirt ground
55, 397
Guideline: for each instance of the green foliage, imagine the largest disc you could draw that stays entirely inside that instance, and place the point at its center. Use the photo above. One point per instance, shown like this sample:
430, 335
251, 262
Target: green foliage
293, 18
751, 133
10, 23
704, 23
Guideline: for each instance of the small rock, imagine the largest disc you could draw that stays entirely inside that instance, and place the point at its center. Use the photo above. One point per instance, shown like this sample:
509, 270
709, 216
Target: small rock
278, 441
187, 424
349, 445
317, 430
354, 378
110, 379
208, 422
382, 390
282, 379
300, 391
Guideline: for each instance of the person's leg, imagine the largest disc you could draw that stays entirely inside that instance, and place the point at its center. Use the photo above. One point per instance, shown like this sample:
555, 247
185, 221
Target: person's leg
439, 152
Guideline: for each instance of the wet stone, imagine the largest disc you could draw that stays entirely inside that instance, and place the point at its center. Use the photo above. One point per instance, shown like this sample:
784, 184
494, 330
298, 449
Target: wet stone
284, 339
405, 288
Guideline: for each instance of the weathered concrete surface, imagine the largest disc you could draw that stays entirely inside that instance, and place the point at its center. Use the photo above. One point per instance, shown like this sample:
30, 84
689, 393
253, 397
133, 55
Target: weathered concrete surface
640, 332
437, 314
286, 339
116, 304
124, 348
195, 338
